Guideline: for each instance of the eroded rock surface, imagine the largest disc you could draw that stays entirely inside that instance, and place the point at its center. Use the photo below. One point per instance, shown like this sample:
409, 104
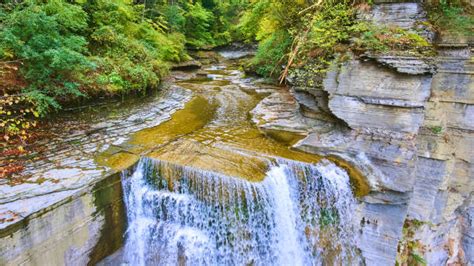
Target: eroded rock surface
407, 124
69, 164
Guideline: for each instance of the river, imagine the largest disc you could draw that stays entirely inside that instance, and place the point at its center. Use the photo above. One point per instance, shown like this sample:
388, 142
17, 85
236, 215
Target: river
212, 189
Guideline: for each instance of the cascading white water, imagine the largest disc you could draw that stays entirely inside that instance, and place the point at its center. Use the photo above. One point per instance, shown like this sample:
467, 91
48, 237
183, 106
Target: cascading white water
299, 215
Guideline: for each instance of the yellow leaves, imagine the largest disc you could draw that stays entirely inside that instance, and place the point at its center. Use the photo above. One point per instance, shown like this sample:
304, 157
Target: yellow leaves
300, 2
8, 54
16, 117
267, 27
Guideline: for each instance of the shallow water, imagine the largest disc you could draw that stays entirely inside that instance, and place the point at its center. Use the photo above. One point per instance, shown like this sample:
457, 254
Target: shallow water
212, 189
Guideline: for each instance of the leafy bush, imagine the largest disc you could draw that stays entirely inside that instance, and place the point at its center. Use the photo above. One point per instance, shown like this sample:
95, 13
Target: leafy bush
451, 16
271, 53
174, 15
248, 25
318, 30
46, 39
77, 50
331, 27
197, 26
370, 37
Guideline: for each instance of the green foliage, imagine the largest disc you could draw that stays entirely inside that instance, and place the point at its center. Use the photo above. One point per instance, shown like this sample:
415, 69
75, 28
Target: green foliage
331, 27
410, 250
91, 47
131, 51
437, 129
328, 217
47, 40
72, 49
174, 15
320, 31
452, 16
14, 121
271, 53
373, 38
250, 20
205, 23
197, 25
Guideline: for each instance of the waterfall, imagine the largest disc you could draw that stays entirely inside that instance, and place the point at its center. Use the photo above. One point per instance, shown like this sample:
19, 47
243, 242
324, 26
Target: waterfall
299, 215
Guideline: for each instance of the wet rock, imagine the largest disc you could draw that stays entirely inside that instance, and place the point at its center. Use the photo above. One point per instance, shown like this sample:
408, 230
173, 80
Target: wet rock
379, 233
368, 96
70, 232
187, 65
68, 163
280, 111
387, 166
207, 57
410, 132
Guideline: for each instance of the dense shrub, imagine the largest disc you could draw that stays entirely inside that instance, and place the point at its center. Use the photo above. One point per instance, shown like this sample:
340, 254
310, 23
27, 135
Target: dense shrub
271, 53
452, 16
197, 26
291, 32
47, 40
71, 49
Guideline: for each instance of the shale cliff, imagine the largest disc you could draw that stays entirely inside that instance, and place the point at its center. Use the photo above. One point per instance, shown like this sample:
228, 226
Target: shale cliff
407, 124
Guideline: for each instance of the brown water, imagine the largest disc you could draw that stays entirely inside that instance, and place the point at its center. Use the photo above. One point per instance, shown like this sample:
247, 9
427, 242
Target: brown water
212, 188
215, 132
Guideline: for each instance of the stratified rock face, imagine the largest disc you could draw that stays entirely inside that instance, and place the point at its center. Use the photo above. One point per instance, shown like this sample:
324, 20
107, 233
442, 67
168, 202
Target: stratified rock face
373, 99
443, 191
80, 230
404, 15
407, 123
381, 226
384, 110
281, 110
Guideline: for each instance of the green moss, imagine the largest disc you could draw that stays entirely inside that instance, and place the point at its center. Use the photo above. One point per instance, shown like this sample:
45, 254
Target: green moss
437, 129
373, 38
410, 250
310, 36
452, 17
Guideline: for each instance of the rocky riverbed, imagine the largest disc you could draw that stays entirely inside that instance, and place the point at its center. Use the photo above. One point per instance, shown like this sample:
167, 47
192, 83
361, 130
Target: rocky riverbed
402, 127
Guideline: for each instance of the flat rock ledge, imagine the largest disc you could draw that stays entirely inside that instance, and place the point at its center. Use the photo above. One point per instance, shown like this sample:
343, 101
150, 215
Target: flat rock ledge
69, 167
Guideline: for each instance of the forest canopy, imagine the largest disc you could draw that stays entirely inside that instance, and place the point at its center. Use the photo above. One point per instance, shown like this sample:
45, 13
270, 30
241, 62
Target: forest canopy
55, 52
74, 49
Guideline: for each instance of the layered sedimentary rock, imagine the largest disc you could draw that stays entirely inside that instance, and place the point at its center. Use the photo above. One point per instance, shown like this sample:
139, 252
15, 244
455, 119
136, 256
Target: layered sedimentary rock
79, 230
406, 123
383, 110
443, 190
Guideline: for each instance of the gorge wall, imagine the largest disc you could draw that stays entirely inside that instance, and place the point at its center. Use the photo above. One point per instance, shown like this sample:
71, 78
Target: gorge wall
407, 124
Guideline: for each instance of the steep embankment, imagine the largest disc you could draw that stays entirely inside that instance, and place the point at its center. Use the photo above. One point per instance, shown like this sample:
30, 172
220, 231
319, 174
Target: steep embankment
406, 122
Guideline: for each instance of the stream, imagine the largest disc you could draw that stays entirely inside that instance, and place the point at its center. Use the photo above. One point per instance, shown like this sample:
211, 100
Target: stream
212, 189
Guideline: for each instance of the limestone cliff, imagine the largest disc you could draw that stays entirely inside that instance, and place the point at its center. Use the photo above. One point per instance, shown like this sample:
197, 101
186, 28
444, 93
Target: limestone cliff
407, 123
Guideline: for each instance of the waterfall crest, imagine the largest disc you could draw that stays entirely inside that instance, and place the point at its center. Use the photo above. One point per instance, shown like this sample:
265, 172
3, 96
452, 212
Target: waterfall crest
300, 214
